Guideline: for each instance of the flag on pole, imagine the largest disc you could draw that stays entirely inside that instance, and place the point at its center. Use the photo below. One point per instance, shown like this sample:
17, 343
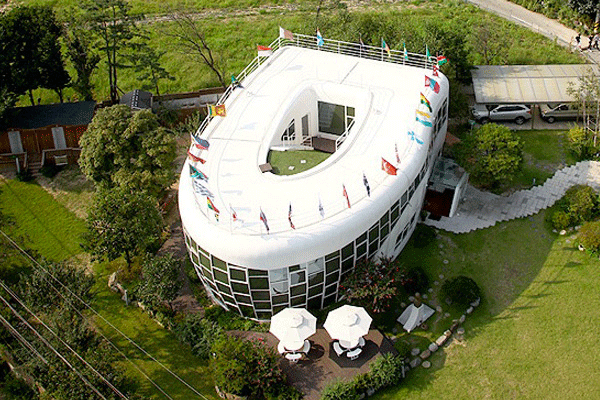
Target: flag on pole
387, 167
290, 217
427, 52
426, 123
200, 143
431, 83
366, 183
435, 70
195, 158
405, 52
233, 213
211, 205
397, 155
218, 110
320, 41
195, 173
426, 102
264, 51
201, 189
321, 209
412, 136
385, 46
441, 60
423, 114
263, 218
345, 193
235, 83
361, 45
285, 34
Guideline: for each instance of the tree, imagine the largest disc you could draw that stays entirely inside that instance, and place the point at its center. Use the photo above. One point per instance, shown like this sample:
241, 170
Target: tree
461, 290
146, 63
587, 99
581, 142
492, 154
121, 222
588, 8
589, 236
190, 39
110, 21
129, 149
160, 281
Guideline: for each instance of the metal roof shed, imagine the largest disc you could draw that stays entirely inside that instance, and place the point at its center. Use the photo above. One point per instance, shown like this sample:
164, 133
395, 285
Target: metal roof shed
527, 84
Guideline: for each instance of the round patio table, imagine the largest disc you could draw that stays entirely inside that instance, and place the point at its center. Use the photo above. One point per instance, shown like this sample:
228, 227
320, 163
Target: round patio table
349, 344
294, 346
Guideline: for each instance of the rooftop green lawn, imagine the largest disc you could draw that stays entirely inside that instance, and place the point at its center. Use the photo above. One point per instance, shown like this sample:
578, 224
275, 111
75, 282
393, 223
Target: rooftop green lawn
282, 160
532, 336
39, 221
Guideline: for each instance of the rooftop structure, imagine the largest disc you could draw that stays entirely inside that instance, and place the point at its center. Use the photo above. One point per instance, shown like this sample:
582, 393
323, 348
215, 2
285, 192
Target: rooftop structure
261, 242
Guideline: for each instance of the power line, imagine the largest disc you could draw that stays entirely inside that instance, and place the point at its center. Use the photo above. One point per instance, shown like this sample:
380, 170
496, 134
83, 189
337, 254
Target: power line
49, 345
33, 260
109, 384
13, 331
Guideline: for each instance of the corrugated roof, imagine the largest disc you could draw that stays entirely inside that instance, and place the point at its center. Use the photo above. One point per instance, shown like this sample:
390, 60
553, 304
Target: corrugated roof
64, 114
527, 84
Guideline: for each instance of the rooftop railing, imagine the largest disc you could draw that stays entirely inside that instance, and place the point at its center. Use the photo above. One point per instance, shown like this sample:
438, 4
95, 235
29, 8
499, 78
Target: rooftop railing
331, 46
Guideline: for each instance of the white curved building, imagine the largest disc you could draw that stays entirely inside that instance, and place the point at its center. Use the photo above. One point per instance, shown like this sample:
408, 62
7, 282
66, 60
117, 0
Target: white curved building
363, 104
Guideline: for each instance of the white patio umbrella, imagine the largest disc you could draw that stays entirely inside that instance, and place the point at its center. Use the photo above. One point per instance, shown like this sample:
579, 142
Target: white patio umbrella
348, 323
292, 326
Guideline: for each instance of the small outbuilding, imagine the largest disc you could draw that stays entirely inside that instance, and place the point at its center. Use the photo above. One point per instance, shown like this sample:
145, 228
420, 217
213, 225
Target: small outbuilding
137, 100
414, 316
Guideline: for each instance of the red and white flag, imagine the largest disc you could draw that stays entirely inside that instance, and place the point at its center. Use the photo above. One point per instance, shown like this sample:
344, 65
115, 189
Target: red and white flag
387, 167
432, 84
435, 70
263, 218
397, 155
346, 195
264, 51
195, 158
233, 213
285, 34
290, 217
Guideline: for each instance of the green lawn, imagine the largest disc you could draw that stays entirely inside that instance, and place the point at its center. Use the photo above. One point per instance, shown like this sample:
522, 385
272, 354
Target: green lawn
282, 160
42, 224
533, 335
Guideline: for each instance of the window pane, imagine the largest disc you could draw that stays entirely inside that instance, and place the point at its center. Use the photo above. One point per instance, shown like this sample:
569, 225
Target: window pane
240, 287
227, 298
373, 248
332, 255
262, 305
329, 301
330, 290
315, 279
257, 272
220, 276
347, 265
247, 311
243, 299
333, 278
298, 301
195, 259
361, 238
333, 265
204, 261
279, 288
384, 231
348, 250
278, 275
361, 250
314, 303
260, 295
385, 219
218, 263
262, 315
223, 288
331, 118
294, 268
259, 283
276, 309
237, 274
296, 290
298, 277
281, 299
315, 266
314, 291
373, 233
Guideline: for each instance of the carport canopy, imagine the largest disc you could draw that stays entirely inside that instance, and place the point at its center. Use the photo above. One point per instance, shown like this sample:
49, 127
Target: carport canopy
528, 84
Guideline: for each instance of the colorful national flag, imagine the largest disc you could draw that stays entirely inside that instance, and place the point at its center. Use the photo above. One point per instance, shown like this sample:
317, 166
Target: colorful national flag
435, 70
195, 158
385, 46
426, 102
405, 52
321, 209
263, 218
441, 60
397, 155
432, 83
320, 41
285, 34
412, 136
200, 143
211, 205
387, 167
235, 83
218, 110
195, 173
233, 213
345, 193
264, 51
423, 114
290, 217
426, 123
366, 183
201, 189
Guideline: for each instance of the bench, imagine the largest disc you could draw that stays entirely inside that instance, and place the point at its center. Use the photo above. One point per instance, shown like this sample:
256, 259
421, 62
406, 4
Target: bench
353, 354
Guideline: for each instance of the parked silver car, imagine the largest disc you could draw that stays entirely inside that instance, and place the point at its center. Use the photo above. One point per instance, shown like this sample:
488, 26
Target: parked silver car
518, 113
553, 111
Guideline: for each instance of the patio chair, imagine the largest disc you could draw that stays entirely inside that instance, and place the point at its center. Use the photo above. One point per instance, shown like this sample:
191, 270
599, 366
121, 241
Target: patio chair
361, 342
338, 349
281, 348
353, 354
293, 357
306, 347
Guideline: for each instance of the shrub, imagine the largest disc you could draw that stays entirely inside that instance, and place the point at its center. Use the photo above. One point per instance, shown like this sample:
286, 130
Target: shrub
461, 290
228, 320
24, 176
372, 285
560, 220
50, 170
340, 390
589, 236
199, 333
402, 347
385, 371
423, 236
582, 203
414, 280
581, 143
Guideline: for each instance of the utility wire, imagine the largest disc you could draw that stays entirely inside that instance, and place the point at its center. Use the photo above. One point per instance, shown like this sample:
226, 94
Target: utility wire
62, 358
108, 383
21, 339
96, 313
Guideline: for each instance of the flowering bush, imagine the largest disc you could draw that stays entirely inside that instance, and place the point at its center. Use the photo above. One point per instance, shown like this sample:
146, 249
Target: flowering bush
372, 285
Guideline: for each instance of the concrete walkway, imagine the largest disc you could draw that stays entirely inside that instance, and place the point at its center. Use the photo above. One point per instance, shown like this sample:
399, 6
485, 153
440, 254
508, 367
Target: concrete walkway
537, 23
480, 210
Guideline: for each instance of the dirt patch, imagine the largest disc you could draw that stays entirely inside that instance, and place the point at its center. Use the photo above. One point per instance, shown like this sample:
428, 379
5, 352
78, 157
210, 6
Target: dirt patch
70, 188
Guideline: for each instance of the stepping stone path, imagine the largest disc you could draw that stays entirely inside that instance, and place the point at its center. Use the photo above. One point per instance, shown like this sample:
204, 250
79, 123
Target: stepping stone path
415, 351
482, 209
426, 364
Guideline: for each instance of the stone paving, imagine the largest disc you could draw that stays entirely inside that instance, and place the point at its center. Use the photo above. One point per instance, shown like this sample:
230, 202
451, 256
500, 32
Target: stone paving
478, 210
